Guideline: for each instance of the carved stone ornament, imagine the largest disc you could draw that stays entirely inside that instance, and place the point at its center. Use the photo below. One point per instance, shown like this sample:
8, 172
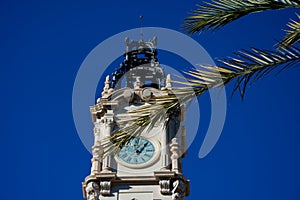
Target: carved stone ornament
178, 191
169, 82
165, 186
107, 90
105, 188
92, 191
137, 83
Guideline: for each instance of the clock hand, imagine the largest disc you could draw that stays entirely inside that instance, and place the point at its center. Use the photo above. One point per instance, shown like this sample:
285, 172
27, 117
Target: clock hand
143, 147
138, 150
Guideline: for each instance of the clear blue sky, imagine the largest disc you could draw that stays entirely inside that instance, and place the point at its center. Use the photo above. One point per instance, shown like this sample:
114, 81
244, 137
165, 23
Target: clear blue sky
43, 44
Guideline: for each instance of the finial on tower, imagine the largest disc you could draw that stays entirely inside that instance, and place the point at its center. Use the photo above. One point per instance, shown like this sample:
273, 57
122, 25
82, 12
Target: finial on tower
168, 83
106, 90
141, 24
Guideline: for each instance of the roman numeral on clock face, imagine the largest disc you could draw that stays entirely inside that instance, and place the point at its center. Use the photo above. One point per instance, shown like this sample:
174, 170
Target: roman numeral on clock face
129, 159
124, 155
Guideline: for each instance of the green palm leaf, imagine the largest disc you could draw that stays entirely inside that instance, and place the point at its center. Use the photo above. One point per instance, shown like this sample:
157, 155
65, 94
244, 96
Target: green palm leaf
258, 63
217, 14
293, 34
246, 68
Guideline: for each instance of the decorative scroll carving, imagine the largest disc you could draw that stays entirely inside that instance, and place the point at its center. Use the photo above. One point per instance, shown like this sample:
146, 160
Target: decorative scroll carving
164, 186
178, 191
146, 94
93, 191
105, 188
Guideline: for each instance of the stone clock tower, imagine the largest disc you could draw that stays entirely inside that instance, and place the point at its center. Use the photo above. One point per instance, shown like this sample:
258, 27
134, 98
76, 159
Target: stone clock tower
148, 166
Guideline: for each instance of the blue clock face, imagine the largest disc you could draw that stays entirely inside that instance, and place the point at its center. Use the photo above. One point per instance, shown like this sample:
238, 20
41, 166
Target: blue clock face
137, 151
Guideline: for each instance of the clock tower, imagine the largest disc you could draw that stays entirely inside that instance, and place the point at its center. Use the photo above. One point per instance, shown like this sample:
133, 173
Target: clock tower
149, 165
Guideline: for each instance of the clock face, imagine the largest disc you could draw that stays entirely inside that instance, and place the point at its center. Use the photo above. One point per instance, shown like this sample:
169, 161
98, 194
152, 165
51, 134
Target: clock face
137, 151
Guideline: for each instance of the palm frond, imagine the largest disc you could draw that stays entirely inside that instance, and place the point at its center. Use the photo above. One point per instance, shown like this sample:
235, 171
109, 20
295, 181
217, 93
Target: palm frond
251, 65
293, 34
218, 13
246, 68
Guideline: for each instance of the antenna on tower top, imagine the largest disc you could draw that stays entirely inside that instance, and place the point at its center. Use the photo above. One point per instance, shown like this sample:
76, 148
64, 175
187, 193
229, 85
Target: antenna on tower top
141, 31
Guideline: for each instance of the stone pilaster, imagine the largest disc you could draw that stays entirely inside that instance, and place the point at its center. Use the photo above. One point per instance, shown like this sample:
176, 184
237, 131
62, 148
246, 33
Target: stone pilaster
108, 127
97, 151
175, 155
164, 150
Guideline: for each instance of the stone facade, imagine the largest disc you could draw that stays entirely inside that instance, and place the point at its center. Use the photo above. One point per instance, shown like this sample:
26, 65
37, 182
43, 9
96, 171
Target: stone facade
158, 178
